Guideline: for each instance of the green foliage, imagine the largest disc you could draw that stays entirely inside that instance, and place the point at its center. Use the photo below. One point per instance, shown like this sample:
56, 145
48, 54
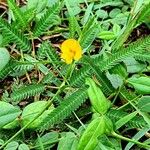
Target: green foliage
136, 122
47, 19
4, 57
97, 98
48, 51
144, 14
14, 36
69, 104
79, 76
27, 91
88, 34
141, 84
94, 130
8, 113
17, 12
40, 92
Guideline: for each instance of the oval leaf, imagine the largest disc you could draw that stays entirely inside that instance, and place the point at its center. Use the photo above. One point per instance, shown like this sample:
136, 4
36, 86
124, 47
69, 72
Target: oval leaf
144, 103
8, 113
141, 84
89, 139
97, 98
4, 57
32, 110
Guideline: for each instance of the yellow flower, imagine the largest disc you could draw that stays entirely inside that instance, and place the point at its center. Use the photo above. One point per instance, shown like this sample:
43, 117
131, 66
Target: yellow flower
70, 50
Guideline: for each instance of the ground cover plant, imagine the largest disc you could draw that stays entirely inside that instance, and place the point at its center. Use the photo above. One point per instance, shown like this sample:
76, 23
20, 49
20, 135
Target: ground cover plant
74, 75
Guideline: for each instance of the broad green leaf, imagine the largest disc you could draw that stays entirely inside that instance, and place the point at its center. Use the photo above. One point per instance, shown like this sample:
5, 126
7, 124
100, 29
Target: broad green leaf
124, 120
115, 80
8, 113
133, 66
141, 84
101, 14
23, 147
12, 146
47, 140
107, 35
4, 58
12, 124
1, 142
88, 140
97, 98
68, 142
116, 29
32, 110
144, 103
114, 12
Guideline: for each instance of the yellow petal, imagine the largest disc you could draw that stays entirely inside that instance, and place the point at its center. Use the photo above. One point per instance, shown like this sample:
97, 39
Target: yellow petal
71, 49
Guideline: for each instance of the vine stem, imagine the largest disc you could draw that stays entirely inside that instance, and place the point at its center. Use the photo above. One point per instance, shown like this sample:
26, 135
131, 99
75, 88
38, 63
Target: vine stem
114, 134
49, 102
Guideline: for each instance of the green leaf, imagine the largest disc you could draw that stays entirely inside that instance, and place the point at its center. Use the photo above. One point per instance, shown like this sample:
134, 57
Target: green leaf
47, 19
144, 14
87, 13
144, 103
141, 84
15, 36
69, 104
115, 80
23, 147
12, 146
32, 110
97, 98
37, 4
137, 136
4, 57
133, 66
89, 139
17, 12
107, 35
68, 142
8, 113
125, 119
47, 140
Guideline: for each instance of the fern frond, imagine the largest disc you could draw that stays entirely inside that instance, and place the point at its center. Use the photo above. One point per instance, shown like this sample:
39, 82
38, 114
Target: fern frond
88, 37
27, 91
47, 19
106, 86
73, 27
78, 77
117, 57
71, 103
143, 56
136, 122
19, 39
17, 12
7, 69
50, 52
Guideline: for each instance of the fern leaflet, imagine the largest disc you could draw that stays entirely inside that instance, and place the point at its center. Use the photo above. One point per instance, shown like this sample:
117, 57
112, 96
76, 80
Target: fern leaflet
47, 19
17, 12
15, 36
27, 91
71, 103
136, 122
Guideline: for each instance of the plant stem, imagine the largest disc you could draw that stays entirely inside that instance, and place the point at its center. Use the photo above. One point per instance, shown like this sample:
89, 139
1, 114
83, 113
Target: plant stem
130, 140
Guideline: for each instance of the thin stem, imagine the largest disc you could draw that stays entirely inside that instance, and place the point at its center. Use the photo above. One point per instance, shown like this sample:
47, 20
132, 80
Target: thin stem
79, 120
130, 140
